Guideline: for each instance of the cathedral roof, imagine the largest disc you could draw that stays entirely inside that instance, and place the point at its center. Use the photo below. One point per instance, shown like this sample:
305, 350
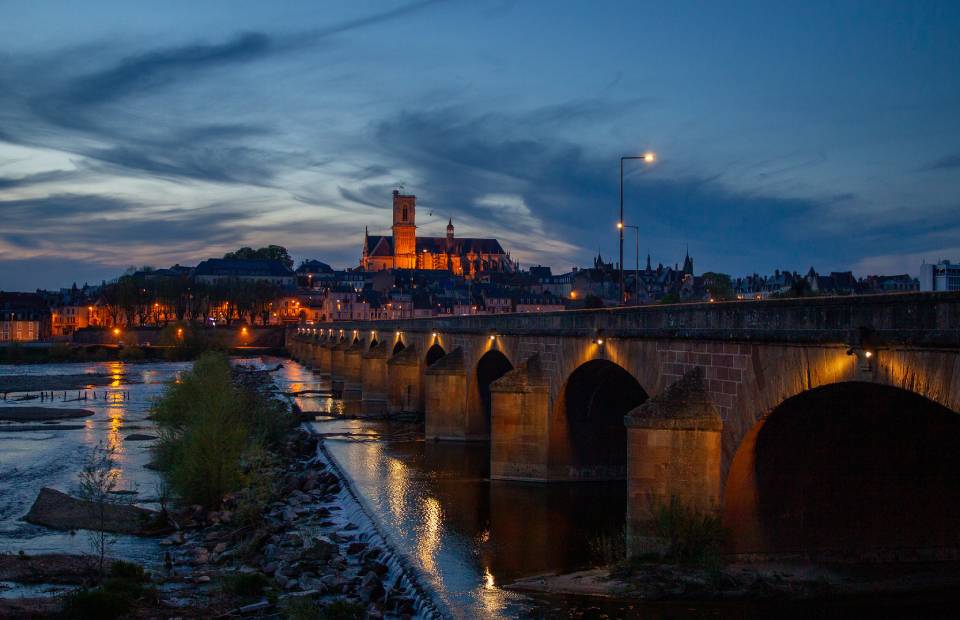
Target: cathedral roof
461, 245
379, 245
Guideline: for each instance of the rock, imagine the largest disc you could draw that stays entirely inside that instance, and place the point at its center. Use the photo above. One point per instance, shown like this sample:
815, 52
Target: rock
202, 579
371, 588
269, 568
220, 548
60, 511
356, 547
201, 556
139, 437
319, 551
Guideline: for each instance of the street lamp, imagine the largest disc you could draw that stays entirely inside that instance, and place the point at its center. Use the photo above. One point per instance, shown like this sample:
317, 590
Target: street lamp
648, 158
621, 226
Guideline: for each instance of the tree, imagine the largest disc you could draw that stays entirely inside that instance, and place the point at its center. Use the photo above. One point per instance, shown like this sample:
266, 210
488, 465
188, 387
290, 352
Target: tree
718, 285
271, 252
800, 288
98, 482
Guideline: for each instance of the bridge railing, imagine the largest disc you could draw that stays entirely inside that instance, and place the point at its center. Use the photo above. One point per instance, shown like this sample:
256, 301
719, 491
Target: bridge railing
921, 319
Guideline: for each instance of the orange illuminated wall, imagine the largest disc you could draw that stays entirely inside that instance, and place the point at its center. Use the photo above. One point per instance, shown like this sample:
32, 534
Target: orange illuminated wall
404, 231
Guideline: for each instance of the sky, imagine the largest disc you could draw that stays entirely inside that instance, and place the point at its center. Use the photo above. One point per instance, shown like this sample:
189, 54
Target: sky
788, 134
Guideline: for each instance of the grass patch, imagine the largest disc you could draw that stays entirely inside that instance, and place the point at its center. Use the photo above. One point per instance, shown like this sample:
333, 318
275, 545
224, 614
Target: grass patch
305, 608
117, 595
693, 537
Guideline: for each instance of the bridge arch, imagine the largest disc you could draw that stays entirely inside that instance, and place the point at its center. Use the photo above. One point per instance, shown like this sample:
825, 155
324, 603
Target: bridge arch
434, 353
590, 436
847, 469
399, 346
491, 366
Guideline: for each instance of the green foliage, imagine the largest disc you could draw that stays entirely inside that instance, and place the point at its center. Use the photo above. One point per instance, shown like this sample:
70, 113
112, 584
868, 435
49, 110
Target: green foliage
693, 537
132, 354
608, 548
718, 285
115, 597
304, 608
271, 252
214, 433
245, 584
592, 301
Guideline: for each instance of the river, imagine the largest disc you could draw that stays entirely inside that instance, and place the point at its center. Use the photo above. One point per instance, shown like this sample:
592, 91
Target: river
465, 537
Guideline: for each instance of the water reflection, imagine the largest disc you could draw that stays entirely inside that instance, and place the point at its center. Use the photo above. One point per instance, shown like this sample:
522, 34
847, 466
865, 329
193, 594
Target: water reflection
469, 535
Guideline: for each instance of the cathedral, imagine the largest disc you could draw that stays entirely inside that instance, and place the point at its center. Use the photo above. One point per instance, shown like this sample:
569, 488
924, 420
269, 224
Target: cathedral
462, 256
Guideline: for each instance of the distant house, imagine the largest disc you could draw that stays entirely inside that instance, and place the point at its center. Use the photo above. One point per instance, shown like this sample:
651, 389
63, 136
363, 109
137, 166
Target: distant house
24, 317
214, 270
313, 274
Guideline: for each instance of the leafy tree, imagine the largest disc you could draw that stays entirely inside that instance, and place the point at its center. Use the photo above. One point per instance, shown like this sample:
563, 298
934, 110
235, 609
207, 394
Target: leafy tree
271, 252
718, 285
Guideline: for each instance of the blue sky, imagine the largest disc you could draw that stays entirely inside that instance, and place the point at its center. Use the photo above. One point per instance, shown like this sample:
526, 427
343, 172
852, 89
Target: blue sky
789, 134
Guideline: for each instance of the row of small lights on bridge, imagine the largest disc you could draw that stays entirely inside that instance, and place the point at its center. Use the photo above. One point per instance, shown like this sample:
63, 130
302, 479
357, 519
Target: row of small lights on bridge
492, 335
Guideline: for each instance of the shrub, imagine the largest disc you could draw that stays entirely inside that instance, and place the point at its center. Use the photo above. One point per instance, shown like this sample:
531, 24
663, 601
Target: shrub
245, 584
608, 548
113, 598
693, 537
213, 433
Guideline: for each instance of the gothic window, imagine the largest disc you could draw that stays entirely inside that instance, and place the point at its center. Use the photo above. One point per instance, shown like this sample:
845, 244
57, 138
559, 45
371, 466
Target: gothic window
404, 214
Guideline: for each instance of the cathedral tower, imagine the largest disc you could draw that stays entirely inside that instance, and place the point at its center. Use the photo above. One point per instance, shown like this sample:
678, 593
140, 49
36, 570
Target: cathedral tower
404, 231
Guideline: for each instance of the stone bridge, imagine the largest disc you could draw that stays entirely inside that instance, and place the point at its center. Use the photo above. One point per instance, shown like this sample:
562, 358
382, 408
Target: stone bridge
813, 426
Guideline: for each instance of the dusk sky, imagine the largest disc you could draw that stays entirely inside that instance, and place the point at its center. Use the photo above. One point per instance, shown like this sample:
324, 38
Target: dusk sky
789, 134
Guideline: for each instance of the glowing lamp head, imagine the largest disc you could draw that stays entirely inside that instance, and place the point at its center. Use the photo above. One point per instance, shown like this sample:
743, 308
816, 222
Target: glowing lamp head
868, 354
649, 157
116, 331
620, 225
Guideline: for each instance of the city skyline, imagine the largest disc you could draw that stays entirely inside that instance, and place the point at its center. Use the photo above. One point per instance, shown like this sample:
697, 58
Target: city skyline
786, 137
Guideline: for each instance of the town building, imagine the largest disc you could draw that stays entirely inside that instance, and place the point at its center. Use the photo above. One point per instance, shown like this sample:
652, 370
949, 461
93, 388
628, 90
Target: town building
215, 270
463, 256
942, 276
24, 317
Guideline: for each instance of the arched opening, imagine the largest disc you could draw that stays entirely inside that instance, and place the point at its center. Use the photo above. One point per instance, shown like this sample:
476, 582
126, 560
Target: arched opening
597, 396
491, 367
434, 353
373, 343
398, 347
848, 469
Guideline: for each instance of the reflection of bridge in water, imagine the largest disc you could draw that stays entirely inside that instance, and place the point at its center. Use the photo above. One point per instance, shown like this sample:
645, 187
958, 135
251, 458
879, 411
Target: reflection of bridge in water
816, 426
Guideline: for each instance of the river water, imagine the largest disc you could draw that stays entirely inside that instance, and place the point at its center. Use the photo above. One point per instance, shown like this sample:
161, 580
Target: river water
465, 537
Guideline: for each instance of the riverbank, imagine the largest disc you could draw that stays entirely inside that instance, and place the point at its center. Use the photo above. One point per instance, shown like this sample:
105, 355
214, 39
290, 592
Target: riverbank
311, 548
754, 581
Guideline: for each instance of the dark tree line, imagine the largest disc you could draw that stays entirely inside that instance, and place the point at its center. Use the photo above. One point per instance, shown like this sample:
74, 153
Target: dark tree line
139, 299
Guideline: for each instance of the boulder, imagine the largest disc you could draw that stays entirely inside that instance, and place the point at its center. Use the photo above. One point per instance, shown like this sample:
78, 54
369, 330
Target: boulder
60, 511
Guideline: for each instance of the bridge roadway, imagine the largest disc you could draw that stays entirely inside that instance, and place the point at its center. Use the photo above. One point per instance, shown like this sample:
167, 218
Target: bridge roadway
674, 399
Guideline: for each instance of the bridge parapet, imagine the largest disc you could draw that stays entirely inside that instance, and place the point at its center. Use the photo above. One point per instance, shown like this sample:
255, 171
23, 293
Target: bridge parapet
920, 319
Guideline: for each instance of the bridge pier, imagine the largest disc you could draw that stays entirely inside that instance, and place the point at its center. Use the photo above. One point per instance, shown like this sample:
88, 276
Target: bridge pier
338, 367
373, 379
520, 424
352, 386
445, 390
405, 381
673, 455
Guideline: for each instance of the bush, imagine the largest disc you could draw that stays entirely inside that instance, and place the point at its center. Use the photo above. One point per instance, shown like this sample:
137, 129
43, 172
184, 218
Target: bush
245, 584
608, 548
214, 433
113, 598
693, 537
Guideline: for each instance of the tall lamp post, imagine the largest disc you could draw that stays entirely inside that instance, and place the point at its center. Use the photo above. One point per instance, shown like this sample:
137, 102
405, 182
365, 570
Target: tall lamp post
636, 273
648, 158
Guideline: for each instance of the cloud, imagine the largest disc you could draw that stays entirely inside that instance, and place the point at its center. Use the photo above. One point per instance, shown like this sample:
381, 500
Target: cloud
945, 163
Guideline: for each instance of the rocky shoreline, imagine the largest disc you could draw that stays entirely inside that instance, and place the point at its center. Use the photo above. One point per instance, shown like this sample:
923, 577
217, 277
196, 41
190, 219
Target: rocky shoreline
313, 547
